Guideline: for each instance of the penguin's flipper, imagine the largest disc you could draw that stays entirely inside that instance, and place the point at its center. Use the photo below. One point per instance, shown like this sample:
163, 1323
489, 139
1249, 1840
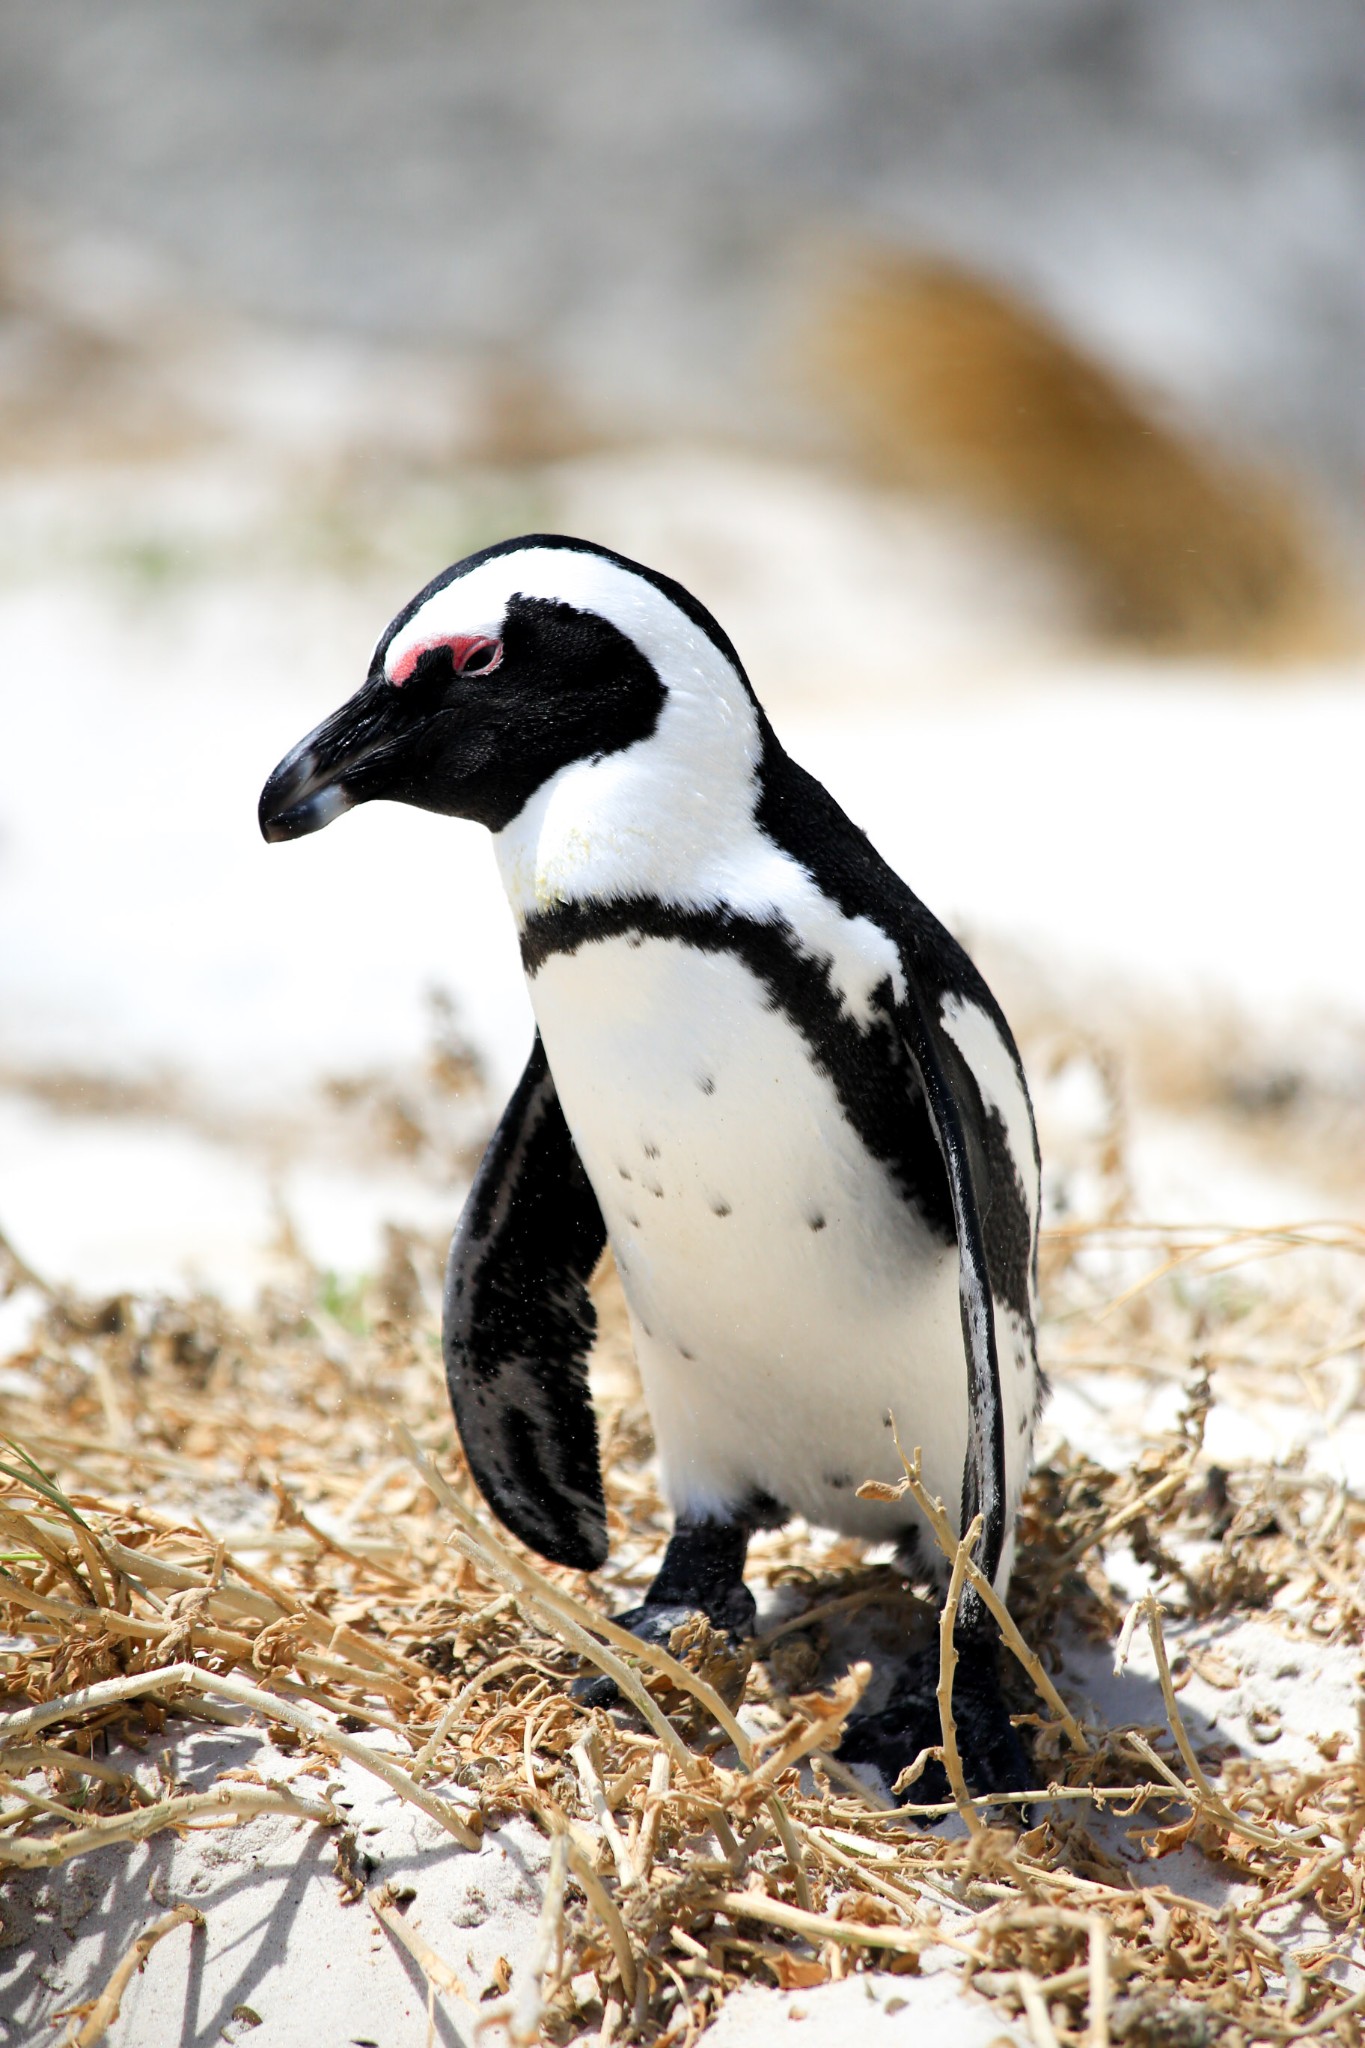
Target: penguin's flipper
948, 1085
518, 1326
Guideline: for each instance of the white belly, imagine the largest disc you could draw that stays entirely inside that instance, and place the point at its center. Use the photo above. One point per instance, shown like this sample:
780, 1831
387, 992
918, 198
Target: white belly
785, 1301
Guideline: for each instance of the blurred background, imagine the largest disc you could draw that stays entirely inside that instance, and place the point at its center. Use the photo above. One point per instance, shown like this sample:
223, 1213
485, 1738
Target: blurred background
994, 374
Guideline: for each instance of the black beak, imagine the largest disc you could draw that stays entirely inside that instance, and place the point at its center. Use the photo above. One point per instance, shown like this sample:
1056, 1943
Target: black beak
329, 771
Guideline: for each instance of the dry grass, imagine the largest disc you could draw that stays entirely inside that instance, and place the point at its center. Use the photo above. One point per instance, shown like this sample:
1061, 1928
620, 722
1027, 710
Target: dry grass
952, 381
204, 1512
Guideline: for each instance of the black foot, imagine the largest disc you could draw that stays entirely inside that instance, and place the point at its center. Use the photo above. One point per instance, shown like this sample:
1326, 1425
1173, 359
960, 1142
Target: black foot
701, 1573
656, 1621
993, 1757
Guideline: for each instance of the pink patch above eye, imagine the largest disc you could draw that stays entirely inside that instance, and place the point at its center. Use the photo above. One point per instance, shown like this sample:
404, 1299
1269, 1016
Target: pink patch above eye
464, 647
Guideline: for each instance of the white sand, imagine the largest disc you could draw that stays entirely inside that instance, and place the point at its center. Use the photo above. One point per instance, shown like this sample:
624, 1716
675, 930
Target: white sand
279, 1938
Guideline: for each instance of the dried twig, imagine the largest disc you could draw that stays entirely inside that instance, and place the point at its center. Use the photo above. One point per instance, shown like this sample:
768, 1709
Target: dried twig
225, 1804
820, 1926
1205, 1793
566, 1618
1035, 2010
655, 1799
434, 1968
85, 2032
936, 1516
500, 1668
818, 1728
1098, 1985
524, 2022
595, 1798
947, 1665
605, 1908
173, 1676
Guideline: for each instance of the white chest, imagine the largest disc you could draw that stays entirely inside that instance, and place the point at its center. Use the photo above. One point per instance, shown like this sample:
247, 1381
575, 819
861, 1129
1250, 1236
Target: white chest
703, 1122
784, 1296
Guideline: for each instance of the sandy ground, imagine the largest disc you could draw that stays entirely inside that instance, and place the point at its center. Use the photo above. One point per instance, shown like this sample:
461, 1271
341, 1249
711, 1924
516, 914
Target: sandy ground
291, 1956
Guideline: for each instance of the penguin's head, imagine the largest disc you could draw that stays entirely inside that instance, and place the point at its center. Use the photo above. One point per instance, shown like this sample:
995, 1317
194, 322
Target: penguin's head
509, 667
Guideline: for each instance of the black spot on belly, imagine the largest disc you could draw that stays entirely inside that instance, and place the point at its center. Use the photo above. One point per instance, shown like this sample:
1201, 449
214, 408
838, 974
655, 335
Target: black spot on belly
840, 1481
649, 1148
888, 1420
816, 1220
624, 1172
633, 1221
683, 1352
652, 1187
719, 1206
707, 1084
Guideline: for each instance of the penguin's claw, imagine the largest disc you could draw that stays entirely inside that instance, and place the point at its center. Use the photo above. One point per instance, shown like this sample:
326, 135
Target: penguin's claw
993, 1757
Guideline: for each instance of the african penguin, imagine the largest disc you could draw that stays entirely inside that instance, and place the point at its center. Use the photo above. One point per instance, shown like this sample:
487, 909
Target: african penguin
762, 1071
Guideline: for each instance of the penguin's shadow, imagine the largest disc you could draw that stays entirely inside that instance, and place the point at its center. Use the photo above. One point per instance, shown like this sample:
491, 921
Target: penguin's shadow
1131, 1698
894, 1625
899, 1624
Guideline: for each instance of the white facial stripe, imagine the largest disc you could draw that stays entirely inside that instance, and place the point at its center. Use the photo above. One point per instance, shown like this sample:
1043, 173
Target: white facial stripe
477, 603
662, 817
671, 816
977, 1039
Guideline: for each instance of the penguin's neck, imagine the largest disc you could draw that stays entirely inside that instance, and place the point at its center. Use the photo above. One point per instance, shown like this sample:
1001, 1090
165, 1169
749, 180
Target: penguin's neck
673, 821
670, 818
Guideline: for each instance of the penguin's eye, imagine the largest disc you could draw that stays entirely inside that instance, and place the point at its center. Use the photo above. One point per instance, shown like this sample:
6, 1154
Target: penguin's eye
469, 654
482, 658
